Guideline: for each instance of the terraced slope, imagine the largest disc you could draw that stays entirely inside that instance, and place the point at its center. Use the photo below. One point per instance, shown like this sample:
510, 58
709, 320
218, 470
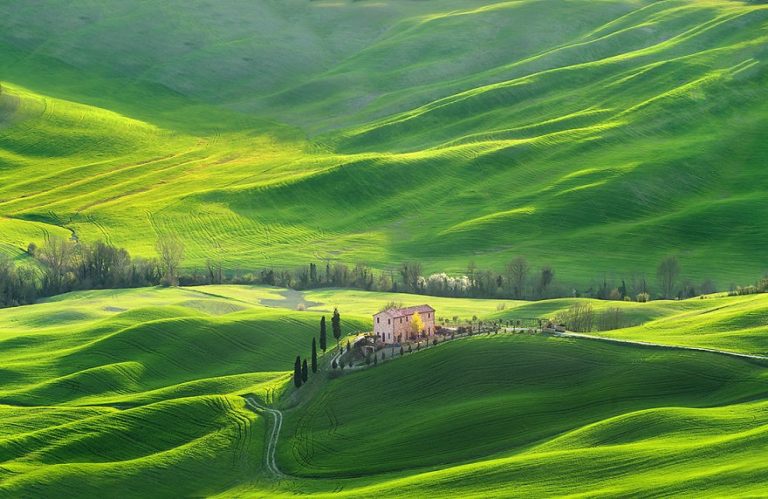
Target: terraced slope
593, 136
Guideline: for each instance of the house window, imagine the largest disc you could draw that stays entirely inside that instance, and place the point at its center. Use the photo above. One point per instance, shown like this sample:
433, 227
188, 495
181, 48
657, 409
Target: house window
389, 321
377, 320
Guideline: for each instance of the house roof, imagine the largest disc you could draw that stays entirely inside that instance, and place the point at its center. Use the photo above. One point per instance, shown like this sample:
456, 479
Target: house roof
402, 312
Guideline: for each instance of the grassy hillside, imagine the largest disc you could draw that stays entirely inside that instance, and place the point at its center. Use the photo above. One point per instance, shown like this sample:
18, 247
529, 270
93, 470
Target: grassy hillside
592, 136
735, 324
137, 391
529, 416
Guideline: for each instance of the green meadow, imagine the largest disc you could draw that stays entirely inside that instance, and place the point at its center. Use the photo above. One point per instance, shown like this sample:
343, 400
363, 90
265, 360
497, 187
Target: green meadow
596, 137
140, 392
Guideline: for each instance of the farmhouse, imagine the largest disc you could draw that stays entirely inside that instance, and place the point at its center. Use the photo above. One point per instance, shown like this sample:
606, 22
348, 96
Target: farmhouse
394, 325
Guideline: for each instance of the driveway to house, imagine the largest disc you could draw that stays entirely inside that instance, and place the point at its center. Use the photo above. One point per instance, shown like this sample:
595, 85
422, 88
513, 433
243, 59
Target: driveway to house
274, 435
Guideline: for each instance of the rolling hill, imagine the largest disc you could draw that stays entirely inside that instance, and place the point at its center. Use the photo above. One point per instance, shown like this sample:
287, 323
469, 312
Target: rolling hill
597, 137
140, 392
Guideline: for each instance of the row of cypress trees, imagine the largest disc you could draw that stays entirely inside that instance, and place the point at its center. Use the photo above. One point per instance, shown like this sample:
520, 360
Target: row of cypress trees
301, 367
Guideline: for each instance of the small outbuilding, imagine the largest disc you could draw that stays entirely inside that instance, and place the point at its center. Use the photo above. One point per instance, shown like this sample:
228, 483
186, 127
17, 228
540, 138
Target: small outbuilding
396, 324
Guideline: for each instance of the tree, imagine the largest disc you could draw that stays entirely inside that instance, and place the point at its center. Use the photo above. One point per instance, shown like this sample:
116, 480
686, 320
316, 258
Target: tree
667, 272
417, 325
314, 355
579, 317
410, 273
517, 273
170, 250
336, 325
348, 346
334, 364
401, 351
215, 272
323, 335
546, 277
297, 380
304, 371
56, 257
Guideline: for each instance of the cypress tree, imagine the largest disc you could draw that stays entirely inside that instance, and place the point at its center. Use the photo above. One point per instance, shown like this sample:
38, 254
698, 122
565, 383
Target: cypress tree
297, 372
336, 325
401, 351
375, 359
347, 345
334, 364
323, 335
314, 355
304, 371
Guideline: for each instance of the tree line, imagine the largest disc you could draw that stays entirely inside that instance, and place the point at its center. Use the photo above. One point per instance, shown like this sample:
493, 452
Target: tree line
518, 280
63, 265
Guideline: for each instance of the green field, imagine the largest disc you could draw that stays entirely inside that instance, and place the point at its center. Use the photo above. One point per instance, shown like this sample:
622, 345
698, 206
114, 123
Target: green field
597, 137
139, 392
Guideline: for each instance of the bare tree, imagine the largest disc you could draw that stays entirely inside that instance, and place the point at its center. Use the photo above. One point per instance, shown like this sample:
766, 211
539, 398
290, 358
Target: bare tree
56, 257
579, 317
517, 273
667, 272
610, 319
215, 273
170, 249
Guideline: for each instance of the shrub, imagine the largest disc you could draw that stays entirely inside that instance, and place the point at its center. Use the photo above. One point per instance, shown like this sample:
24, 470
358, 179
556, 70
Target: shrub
579, 317
643, 297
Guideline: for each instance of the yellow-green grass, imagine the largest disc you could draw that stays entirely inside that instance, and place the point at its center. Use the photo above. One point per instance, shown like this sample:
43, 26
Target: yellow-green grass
149, 353
706, 452
738, 324
490, 395
137, 392
142, 389
191, 446
593, 136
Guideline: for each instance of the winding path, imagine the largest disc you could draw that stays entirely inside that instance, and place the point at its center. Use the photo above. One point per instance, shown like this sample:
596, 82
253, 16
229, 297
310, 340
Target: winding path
273, 436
